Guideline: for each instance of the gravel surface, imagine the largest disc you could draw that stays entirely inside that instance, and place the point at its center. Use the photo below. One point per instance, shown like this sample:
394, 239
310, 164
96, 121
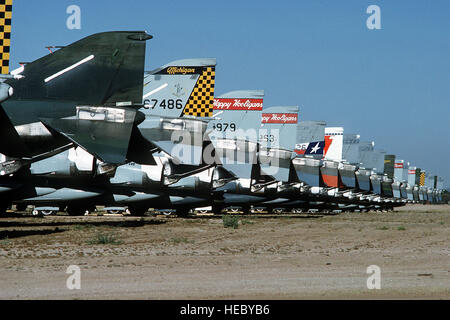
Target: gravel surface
285, 257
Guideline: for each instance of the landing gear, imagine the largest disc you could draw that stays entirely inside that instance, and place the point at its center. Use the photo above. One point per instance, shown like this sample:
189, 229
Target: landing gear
113, 211
43, 212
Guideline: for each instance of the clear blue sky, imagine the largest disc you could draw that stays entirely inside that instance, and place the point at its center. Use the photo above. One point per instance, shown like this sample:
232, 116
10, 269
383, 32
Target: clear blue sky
390, 85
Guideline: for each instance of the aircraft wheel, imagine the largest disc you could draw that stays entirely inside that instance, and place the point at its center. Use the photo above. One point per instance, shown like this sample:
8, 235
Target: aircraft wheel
113, 211
296, 210
259, 210
278, 211
47, 212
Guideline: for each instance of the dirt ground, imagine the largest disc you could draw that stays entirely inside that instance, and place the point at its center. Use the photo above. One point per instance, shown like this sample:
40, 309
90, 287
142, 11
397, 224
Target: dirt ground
285, 257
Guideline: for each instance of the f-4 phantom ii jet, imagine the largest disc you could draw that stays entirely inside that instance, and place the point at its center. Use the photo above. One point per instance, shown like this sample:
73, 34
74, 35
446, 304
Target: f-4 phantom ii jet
86, 94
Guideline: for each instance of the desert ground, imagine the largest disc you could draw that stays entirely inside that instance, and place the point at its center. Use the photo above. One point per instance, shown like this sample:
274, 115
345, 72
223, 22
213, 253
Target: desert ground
304, 256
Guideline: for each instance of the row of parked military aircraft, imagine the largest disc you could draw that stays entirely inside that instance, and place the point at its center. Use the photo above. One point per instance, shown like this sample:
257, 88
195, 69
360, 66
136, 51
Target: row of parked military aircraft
86, 126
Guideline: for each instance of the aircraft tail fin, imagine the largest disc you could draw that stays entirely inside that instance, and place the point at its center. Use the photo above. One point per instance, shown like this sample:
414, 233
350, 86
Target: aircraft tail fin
279, 127
182, 87
103, 68
334, 139
5, 34
277, 137
235, 113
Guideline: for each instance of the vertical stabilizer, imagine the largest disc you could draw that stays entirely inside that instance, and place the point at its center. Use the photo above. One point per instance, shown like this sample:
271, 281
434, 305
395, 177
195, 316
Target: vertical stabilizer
236, 113
412, 175
366, 149
5, 34
182, 87
308, 131
278, 131
333, 143
350, 148
399, 166
278, 127
389, 163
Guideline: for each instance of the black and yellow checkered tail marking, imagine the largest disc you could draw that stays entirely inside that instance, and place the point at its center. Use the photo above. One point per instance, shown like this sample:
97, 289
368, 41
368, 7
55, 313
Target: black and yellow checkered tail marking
200, 103
422, 179
5, 34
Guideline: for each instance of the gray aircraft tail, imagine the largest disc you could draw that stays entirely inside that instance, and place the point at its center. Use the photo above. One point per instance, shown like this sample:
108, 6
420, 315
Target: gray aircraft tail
236, 113
177, 96
350, 148
310, 139
180, 88
279, 127
233, 130
277, 138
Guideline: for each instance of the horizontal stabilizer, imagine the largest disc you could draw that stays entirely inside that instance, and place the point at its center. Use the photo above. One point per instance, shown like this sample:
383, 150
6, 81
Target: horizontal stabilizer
108, 141
276, 163
181, 138
236, 156
66, 194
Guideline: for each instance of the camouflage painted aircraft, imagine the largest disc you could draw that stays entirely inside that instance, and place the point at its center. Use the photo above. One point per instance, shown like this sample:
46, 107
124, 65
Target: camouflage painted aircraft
87, 94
